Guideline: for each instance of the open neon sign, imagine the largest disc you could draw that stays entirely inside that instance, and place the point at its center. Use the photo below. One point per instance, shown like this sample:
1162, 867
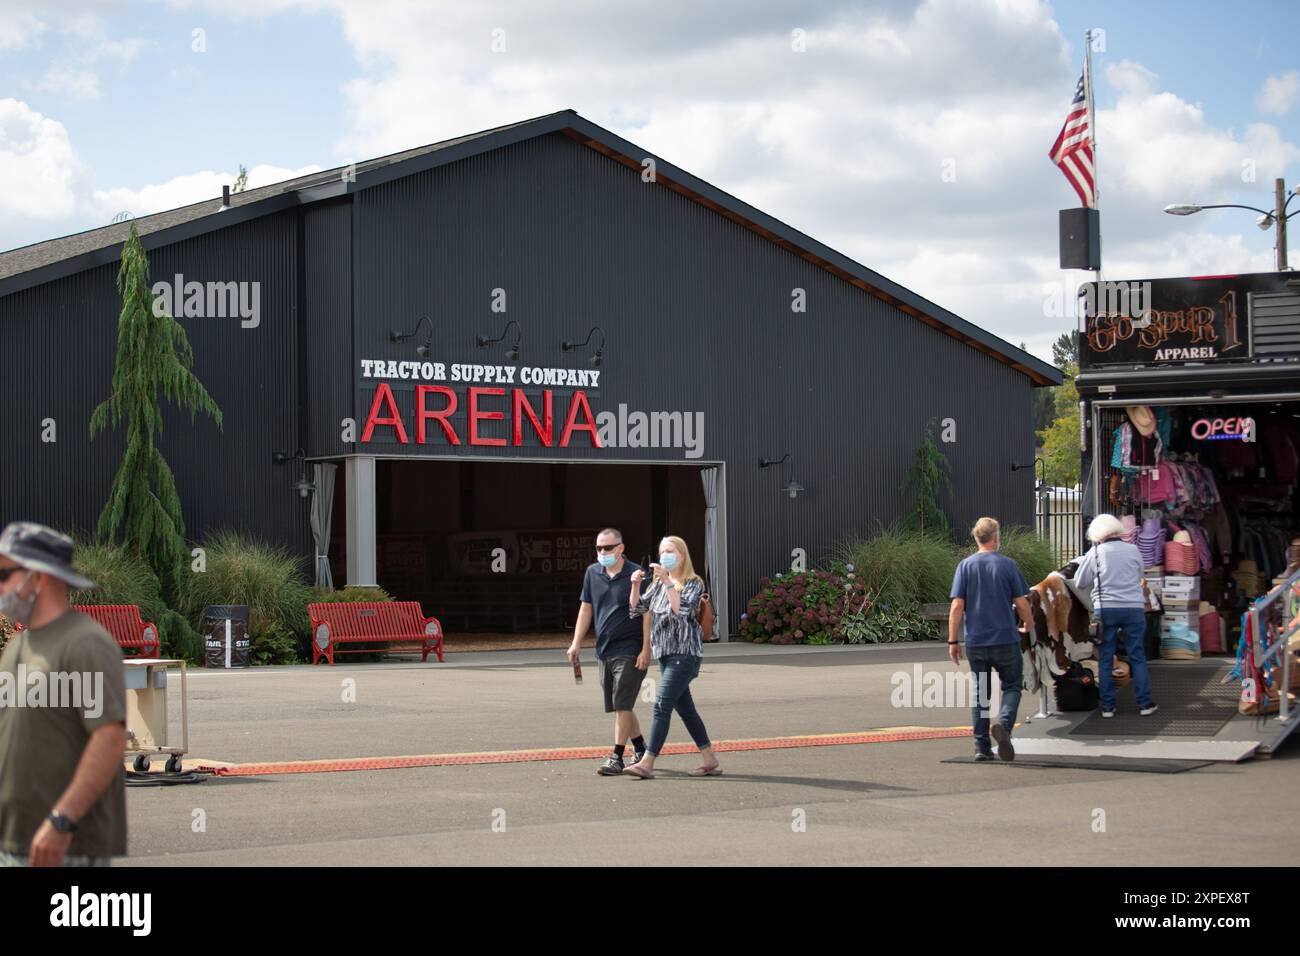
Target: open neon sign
1224, 429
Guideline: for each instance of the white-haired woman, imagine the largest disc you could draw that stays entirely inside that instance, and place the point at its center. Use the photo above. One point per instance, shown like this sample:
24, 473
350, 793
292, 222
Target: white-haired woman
1112, 568
674, 639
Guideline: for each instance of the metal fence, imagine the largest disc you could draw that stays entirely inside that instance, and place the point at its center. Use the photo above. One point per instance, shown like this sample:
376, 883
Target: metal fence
1058, 519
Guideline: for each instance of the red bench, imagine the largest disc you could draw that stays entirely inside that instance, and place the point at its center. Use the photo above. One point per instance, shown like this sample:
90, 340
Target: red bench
398, 622
124, 623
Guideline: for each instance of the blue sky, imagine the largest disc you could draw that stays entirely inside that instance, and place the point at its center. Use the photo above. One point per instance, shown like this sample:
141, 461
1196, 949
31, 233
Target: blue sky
105, 107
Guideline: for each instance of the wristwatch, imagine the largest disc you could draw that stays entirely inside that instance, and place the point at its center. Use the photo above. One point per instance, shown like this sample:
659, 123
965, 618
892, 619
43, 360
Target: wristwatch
61, 822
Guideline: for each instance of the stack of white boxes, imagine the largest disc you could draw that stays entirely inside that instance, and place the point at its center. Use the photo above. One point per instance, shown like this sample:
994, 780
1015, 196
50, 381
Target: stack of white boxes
1180, 626
1155, 586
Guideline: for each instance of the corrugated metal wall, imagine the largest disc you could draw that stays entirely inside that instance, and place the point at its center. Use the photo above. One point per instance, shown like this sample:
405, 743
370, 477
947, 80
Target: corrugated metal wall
60, 342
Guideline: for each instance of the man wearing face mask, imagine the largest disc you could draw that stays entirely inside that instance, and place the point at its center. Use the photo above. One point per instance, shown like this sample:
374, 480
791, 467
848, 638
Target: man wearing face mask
62, 786
606, 597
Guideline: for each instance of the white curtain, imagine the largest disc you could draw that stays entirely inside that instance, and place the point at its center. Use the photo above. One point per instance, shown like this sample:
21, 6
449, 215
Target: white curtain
322, 515
711, 556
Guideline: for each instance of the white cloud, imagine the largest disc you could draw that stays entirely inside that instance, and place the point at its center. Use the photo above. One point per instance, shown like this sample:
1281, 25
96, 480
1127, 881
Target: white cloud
71, 82
1279, 93
18, 29
38, 168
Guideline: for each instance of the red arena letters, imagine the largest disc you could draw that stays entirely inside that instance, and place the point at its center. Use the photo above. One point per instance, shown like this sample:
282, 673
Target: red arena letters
485, 406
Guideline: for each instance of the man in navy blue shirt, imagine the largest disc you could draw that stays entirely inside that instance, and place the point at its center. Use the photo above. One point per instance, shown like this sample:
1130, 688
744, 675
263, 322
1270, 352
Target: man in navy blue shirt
989, 591
606, 598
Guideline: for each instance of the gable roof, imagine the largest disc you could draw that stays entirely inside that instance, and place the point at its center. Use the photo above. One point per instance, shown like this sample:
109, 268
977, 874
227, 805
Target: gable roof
43, 262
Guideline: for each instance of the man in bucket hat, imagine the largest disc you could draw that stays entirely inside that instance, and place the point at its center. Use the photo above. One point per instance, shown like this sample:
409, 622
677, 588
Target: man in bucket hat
62, 785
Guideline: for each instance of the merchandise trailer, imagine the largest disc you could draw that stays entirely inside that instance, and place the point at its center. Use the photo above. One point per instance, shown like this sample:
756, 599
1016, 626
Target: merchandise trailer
1190, 394
444, 370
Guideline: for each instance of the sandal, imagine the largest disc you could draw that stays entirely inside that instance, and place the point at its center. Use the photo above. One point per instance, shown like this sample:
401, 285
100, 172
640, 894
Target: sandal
636, 770
714, 771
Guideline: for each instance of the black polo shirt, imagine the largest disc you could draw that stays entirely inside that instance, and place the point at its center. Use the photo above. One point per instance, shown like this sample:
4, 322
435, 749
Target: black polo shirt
617, 635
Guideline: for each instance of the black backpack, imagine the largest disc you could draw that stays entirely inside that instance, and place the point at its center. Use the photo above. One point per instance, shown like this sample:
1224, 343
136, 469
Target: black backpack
1076, 689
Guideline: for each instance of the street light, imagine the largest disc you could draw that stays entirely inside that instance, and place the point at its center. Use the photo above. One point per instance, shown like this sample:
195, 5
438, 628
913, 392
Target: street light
1267, 220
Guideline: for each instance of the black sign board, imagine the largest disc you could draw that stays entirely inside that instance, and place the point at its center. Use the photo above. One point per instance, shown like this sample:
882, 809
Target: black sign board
1178, 321
225, 635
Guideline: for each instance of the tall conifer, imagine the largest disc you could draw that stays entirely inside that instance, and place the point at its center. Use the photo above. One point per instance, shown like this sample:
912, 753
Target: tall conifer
153, 355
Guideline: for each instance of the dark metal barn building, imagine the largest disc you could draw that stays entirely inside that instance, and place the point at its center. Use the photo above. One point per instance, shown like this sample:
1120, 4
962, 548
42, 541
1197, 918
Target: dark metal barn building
470, 463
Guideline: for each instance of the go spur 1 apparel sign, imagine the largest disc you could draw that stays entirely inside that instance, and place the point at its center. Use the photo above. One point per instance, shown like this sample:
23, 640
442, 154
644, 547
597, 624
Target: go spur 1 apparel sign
486, 406
1163, 321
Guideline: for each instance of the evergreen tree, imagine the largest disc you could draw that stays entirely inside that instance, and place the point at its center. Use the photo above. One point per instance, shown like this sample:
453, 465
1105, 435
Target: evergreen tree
153, 355
927, 477
1065, 350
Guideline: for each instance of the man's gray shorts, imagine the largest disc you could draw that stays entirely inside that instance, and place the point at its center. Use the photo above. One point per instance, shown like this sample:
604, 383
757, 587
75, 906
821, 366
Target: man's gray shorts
621, 680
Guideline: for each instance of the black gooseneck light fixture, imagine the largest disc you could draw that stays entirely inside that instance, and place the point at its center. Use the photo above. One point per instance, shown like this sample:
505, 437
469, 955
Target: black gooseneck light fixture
512, 355
302, 485
791, 487
600, 352
423, 350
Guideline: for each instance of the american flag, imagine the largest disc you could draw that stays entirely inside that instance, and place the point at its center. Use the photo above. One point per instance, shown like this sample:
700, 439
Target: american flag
1072, 150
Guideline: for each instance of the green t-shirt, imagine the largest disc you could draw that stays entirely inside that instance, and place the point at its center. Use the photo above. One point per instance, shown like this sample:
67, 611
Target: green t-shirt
40, 746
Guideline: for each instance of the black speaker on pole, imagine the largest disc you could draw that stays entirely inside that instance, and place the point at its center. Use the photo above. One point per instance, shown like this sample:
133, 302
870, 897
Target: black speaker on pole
1081, 239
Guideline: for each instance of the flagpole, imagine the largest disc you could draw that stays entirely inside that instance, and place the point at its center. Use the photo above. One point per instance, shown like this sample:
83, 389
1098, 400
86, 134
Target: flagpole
1092, 132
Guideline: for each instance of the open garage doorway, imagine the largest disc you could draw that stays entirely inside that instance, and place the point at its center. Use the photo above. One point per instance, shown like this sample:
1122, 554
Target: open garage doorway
496, 550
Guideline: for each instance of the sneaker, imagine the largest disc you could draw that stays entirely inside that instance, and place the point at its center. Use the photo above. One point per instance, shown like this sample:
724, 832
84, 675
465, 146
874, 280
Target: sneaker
1108, 713
612, 766
1148, 711
982, 755
640, 755
1005, 750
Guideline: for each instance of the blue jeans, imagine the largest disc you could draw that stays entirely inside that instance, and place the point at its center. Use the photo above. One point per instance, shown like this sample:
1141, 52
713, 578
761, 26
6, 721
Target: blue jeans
677, 671
1010, 667
1133, 622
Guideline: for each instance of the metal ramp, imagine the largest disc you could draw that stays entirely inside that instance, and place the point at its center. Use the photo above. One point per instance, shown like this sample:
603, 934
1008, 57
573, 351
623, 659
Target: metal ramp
1197, 720
1198, 717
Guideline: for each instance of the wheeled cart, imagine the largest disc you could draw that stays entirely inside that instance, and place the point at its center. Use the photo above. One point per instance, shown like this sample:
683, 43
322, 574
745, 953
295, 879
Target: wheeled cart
147, 730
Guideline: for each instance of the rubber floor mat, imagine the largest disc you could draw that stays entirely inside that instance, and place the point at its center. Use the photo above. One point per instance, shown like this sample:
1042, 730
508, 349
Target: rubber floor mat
1193, 703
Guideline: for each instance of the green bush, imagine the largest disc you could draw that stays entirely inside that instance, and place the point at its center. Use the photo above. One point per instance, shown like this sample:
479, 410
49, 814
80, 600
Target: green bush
274, 644
902, 567
802, 607
351, 595
1027, 549
242, 570
122, 577
890, 624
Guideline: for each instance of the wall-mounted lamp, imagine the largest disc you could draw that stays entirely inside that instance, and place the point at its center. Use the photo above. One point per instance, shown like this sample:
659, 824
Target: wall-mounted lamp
513, 354
791, 487
423, 350
1040, 467
302, 485
596, 358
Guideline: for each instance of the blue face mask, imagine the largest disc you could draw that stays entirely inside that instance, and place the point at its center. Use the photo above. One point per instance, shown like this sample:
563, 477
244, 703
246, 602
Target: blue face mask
607, 560
669, 561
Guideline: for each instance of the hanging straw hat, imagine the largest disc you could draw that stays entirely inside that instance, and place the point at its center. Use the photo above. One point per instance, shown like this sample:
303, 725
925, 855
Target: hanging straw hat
1143, 419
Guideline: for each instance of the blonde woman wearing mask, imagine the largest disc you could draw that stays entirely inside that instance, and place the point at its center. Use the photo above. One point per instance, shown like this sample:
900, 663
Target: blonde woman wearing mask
674, 639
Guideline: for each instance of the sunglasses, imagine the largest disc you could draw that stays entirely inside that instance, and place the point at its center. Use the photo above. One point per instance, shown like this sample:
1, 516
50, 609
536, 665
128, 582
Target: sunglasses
599, 547
6, 573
